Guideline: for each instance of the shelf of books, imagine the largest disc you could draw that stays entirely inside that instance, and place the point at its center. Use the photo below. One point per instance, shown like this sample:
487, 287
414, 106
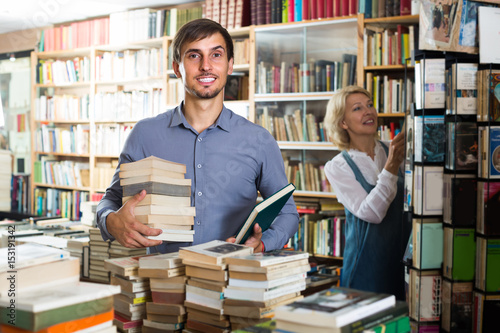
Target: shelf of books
452, 189
93, 81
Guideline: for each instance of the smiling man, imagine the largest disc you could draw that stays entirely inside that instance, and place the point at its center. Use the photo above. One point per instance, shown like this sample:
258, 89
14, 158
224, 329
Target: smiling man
227, 157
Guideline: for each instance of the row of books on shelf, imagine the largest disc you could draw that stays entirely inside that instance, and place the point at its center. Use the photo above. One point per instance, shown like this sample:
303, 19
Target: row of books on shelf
48, 170
62, 107
390, 46
387, 8
110, 139
307, 176
63, 71
231, 14
388, 132
20, 194
129, 64
390, 95
5, 180
292, 127
73, 139
103, 173
270, 12
128, 105
314, 76
54, 202
320, 236
118, 28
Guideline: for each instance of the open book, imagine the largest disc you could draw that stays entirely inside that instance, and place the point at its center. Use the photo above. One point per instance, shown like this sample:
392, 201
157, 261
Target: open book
264, 213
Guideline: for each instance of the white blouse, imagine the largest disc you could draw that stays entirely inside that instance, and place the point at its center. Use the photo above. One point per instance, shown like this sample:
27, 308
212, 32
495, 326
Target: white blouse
370, 207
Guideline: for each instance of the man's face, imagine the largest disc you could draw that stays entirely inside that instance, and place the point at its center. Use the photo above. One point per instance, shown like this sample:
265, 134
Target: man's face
204, 67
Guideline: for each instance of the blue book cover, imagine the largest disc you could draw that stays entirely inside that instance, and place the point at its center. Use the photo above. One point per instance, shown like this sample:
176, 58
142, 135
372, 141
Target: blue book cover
298, 10
494, 152
430, 138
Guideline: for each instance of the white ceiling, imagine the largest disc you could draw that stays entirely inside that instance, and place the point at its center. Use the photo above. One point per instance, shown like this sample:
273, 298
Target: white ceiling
27, 14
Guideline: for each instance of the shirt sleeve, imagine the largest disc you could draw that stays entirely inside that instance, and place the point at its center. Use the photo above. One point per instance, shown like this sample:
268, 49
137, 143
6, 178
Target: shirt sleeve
370, 207
272, 179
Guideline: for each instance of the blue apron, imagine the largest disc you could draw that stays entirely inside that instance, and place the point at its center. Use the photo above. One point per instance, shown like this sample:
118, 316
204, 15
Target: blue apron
373, 252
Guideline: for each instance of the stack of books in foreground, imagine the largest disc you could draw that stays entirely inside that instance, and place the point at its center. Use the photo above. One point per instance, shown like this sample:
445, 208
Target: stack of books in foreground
41, 292
130, 304
167, 204
343, 310
207, 281
167, 280
260, 282
99, 251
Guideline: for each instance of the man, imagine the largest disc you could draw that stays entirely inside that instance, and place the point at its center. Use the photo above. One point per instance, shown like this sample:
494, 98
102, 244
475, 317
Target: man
227, 157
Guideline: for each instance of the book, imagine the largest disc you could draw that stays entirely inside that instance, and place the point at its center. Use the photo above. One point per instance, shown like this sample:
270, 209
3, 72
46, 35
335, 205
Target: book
267, 284
488, 35
425, 294
269, 269
157, 221
169, 296
460, 199
457, 305
264, 213
487, 274
157, 188
334, 307
207, 274
265, 259
252, 311
488, 208
488, 101
128, 266
463, 87
161, 273
161, 261
45, 307
161, 200
153, 162
430, 84
164, 210
427, 243
459, 254
429, 139
428, 190
213, 252
461, 146
172, 235
156, 179
150, 172
270, 275
29, 254
485, 311
264, 294
166, 309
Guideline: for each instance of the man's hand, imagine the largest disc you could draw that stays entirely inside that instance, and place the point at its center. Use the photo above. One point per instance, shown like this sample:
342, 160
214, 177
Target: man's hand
253, 241
129, 232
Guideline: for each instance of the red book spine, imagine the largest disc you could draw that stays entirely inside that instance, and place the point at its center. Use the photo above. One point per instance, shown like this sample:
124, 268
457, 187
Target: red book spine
336, 8
314, 9
320, 9
345, 8
329, 8
405, 7
353, 7
291, 10
305, 10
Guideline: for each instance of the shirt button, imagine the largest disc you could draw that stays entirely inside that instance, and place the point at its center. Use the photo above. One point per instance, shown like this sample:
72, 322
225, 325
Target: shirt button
198, 222
200, 194
200, 139
199, 166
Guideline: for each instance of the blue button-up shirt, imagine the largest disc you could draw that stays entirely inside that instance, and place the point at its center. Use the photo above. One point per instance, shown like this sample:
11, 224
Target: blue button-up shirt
228, 163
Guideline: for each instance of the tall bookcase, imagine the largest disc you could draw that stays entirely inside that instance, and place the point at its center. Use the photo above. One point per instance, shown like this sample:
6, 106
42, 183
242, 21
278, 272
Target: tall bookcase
80, 120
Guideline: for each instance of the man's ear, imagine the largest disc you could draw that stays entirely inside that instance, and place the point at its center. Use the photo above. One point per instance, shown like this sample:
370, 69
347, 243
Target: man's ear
230, 67
175, 67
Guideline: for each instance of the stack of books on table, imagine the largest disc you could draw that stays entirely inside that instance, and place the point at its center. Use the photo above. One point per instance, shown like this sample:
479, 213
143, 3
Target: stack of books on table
344, 310
88, 210
167, 204
40, 292
260, 282
207, 281
167, 280
99, 251
130, 304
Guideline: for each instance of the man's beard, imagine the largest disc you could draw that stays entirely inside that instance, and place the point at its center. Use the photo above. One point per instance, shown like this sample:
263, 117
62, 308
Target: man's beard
204, 94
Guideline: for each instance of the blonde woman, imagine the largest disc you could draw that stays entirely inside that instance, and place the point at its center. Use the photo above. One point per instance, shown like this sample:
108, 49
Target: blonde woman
368, 180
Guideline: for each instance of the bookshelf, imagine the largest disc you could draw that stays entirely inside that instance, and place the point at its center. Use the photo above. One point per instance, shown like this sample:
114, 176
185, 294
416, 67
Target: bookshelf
386, 45
85, 100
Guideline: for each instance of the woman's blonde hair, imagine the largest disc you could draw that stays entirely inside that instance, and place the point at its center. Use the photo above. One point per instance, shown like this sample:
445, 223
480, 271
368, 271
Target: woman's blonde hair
335, 112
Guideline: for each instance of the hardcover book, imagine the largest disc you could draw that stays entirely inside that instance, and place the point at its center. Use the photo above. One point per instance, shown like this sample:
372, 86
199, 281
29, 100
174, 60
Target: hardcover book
487, 277
460, 199
213, 252
461, 146
459, 254
429, 138
427, 243
428, 190
264, 213
488, 208
334, 307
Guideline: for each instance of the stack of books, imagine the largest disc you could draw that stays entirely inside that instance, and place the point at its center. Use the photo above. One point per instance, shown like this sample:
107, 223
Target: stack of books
207, 281
41, 292
260, 282
130, 304
167, 281
167, 204
341, 309
99, 251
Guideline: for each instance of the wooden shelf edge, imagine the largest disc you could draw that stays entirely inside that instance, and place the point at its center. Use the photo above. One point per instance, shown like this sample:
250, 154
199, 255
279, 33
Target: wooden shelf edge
62, 187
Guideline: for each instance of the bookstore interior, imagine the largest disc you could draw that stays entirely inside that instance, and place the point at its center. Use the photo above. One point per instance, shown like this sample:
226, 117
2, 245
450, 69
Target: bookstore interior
77, 76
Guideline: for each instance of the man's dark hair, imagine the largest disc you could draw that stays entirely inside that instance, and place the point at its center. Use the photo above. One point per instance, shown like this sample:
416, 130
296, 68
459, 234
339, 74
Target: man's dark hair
200, 29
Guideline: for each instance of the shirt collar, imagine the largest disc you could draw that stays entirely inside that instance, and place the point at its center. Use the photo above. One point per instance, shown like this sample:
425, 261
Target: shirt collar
223, 121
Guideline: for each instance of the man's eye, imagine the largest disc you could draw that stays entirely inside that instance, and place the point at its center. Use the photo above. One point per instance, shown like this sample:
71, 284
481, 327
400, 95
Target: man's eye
217, 55
193, 56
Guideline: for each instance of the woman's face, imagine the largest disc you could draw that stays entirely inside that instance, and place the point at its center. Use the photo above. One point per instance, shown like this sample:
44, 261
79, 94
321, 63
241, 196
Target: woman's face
360, 115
